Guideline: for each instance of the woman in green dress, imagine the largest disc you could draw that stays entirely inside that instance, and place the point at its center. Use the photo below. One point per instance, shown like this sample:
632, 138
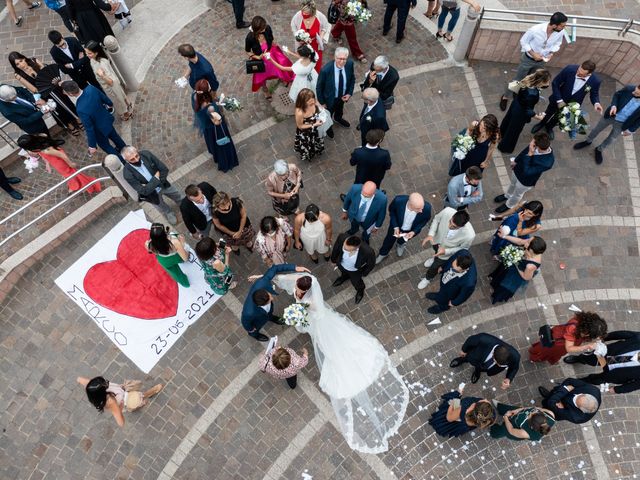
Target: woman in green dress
168, 247
526, 423
215, 263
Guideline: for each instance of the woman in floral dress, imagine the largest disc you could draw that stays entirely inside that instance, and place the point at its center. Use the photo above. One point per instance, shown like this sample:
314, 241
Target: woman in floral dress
307, 142
215, 264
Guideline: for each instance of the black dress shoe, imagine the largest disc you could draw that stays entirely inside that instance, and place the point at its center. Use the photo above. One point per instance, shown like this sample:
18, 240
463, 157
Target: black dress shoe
475, 376
385, 33
431, 296
537, 127
435, 309
359, 296
544, 392
570, 359
399, 39
13, 180
502, 208
16, 195
342, 122
598, 154
342, 197
261, 337
330, 132
500, 199
456, 362
339, 281
243, 25
503, 103
581, 145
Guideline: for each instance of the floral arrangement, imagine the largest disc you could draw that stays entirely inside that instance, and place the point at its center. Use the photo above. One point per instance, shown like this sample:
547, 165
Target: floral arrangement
357, 12
462, 145
511, 255
296, 315
231, 104
303, 36
31, 163
572, 120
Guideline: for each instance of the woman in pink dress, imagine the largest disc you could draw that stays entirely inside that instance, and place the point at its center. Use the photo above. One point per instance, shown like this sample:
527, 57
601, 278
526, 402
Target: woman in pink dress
315, 24
259, 45
49, 150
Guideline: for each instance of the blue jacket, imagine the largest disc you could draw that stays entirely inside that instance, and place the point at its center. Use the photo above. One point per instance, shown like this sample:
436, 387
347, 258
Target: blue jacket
378, 116
371, 164
202, 69
326, 84
396, 214
619, 100
95, 117
254, 316
27, 118
455, 190
528, 169
562, 86
377, 210
458, 290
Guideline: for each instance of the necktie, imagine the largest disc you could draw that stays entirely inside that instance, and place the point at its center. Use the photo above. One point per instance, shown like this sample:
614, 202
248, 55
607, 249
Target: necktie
340, 83
619, 359
361, 211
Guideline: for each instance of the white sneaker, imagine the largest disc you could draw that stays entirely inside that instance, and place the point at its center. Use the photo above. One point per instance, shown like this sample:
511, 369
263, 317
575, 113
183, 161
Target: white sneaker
424, 283
380, 258
400, 249
429, 262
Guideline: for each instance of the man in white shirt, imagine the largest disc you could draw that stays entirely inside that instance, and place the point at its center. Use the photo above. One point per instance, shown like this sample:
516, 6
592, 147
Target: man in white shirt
196, 209
354, 259
538, 44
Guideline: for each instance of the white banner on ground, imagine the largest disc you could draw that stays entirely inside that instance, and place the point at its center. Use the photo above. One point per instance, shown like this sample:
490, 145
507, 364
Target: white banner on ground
131, 298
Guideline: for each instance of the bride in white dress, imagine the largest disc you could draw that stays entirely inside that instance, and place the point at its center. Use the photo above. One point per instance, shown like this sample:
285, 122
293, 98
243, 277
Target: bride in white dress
303, 68
368, 394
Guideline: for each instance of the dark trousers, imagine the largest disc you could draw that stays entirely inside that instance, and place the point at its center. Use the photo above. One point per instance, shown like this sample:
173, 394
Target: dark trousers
4, 183
354, 277
550, 120
66, 19
103, 142
403, 12
432, 271
337, 109
390, 240
355, 227
271, 318
292, 381
238, 10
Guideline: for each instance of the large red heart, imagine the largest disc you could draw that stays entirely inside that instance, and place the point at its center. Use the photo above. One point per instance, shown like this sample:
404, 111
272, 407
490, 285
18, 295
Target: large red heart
133, 284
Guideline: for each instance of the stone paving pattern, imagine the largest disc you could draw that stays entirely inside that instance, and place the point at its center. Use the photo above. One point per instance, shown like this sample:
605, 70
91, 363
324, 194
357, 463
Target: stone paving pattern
50, 431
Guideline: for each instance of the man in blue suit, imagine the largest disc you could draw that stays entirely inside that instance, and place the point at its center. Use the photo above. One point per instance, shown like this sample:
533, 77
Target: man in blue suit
335, 86
258, 306
623, 116
457, 283
97, 120
373, 114
571, 85
365, 206
574, 400
371, 161
408, 214
18, 105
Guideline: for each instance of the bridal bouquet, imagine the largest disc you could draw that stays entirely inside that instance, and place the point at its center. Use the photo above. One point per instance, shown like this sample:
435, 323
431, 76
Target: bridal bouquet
31, 163
462, 145
357, 12
296, 315
572, 120
230, 104
303, 36
511, 255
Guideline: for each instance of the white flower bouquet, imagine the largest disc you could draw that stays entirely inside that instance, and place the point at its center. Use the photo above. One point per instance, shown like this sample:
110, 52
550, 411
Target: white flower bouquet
296, 315
31, 163
303, 36
462, 145
572, 120
511, 255
356, 11
231, 104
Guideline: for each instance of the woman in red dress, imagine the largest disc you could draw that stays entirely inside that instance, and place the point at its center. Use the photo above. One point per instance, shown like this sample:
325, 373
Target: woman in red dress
315, 24
49, 150
576, 336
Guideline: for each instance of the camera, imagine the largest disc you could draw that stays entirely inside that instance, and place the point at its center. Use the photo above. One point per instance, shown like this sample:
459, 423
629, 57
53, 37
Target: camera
222, 244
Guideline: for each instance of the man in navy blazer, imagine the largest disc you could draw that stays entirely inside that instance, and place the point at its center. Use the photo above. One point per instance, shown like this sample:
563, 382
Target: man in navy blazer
408, 215
68, 53
18, 105
371, 161
373, 114
258, 306
335, 86
570, 85
457, 283
97, 120
575, 401
623, 115
488, 353
365, 206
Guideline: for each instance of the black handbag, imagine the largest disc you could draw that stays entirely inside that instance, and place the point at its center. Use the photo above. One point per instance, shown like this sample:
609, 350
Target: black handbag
546, 337
255, 66
333, 13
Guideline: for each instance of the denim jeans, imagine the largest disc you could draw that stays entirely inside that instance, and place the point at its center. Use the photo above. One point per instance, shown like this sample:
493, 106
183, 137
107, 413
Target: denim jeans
455, 14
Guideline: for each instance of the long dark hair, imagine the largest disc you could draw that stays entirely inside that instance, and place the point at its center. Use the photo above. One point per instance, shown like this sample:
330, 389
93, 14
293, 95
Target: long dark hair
311, 213
36, 143
97, 392
15, 56
159, 236
536, 208
491, 126
96, 48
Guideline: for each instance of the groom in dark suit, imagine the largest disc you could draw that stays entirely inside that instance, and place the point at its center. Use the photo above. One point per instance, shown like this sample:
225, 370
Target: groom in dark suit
335, 86
373, 115
571, 85
371, 161
258, 306
355, 259
365, 206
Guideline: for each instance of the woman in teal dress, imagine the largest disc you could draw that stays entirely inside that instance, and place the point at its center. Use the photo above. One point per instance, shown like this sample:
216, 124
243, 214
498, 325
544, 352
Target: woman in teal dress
458, 415
168, 247
526, 423
215, 263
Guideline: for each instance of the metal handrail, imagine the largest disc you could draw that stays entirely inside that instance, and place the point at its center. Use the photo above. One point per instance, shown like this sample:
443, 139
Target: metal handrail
5, 136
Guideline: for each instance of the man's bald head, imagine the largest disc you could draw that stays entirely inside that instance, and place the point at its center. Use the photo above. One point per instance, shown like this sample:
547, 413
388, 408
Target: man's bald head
369, 189
416, 202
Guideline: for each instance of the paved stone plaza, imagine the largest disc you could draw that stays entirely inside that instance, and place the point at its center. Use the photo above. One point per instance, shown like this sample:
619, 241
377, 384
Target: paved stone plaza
219, 417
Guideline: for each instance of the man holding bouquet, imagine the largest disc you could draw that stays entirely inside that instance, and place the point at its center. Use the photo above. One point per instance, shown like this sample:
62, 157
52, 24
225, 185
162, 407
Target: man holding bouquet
572, 84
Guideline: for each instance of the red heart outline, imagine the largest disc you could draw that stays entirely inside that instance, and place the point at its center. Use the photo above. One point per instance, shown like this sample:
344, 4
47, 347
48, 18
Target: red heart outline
133, 284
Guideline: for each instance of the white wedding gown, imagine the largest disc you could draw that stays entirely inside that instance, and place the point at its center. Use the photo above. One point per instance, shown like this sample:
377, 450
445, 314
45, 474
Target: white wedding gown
368, 394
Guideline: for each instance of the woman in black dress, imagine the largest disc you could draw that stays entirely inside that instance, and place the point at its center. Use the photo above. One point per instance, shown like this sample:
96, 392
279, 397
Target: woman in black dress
230, 218
458, 415
90, 23
521, 110
486, 134
307, 142
26, 70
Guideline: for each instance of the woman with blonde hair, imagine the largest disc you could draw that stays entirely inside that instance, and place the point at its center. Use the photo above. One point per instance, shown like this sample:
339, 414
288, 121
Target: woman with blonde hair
522, 110
307, 141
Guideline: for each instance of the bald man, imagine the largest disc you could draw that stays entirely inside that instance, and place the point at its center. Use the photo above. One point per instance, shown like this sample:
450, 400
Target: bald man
365, 206
408, 214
